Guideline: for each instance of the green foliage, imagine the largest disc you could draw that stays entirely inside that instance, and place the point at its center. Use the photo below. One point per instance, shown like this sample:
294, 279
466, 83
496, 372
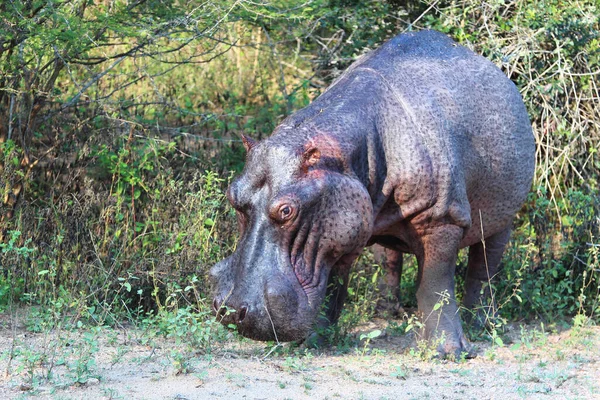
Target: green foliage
11, 284
400, 372
549, 271
196, 328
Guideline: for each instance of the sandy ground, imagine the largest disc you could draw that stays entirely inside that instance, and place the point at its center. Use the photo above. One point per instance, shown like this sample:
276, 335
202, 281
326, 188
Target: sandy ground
125, 364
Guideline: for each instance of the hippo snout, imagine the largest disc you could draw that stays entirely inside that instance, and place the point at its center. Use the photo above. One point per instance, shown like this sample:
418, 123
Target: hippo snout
216, 273
281, 298
261, 307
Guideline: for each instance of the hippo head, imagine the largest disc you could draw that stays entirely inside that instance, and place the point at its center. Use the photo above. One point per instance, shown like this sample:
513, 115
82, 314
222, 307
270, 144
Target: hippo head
301, 217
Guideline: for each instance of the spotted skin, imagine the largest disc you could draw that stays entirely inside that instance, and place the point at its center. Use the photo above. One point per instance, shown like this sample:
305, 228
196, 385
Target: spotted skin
421, 146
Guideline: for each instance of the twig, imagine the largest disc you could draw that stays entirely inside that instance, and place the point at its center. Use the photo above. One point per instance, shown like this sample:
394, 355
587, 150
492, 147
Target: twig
487, 269
92, 81
10, 115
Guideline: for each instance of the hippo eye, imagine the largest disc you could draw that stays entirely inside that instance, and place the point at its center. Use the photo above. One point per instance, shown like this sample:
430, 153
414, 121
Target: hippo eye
283, 212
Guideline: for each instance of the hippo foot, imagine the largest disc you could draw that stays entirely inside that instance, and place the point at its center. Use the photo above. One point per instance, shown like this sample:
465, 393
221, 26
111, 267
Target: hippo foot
314, 340
455, 350
480, 318
448, 338
387, 308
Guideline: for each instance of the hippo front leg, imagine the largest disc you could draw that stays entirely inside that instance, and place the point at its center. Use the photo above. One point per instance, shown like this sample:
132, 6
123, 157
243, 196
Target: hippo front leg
337, 291
435, 293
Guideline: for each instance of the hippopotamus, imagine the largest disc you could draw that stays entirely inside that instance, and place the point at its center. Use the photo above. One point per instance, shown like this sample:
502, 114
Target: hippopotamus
420, 146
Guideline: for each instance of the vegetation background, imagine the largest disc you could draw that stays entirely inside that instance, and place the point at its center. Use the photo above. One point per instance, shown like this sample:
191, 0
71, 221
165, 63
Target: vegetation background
120, 124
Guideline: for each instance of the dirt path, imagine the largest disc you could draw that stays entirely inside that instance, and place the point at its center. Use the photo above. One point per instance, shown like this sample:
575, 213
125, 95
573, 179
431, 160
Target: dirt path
126, 364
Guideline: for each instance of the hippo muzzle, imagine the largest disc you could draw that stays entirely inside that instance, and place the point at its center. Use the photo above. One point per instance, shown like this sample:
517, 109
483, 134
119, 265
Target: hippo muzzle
263, 303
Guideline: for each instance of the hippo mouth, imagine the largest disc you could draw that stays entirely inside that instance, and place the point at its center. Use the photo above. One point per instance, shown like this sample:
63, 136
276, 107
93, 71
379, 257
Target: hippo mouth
283, 310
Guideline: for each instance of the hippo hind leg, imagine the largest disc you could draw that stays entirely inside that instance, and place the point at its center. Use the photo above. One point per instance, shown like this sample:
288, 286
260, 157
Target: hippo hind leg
389, 285
483, 265
435, 293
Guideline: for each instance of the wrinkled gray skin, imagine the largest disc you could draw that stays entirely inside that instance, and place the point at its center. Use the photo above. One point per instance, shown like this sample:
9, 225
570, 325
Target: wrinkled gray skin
407, 149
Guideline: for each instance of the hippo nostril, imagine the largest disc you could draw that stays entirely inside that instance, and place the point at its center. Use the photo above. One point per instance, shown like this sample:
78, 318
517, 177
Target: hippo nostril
242, 313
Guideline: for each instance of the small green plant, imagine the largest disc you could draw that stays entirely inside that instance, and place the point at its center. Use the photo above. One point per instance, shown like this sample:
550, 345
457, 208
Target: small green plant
11, 281
397, 329
197, 328
367, 337
294, 364
425, 350
83, 367
181, 360
400, 372
28, 360
307, 385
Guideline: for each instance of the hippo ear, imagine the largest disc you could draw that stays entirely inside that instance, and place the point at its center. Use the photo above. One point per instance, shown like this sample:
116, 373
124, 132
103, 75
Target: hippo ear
310, 158
249, 143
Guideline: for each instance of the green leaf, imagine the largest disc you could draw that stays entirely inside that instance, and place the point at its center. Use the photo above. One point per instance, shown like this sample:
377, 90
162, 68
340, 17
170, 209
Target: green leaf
374, 334
519, 299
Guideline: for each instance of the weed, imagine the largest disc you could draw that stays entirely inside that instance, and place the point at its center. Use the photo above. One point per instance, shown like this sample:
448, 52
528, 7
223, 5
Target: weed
395, 329
367, 337
426, 350
308, 386
181, 361
400, 372
111, 394
199, 329
83, 367
238, 379
294, 364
